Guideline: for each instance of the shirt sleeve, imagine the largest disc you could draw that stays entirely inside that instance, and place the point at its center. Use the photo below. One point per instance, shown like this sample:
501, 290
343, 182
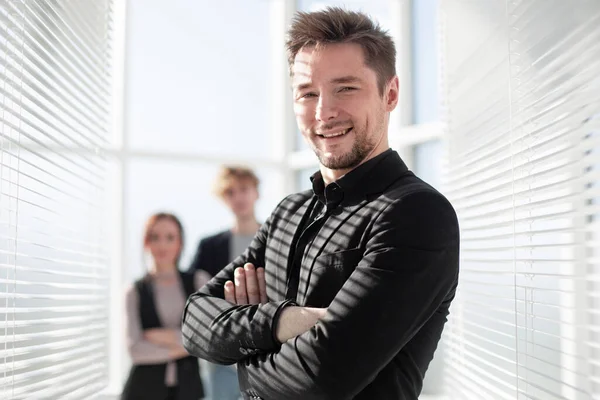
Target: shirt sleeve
225, 333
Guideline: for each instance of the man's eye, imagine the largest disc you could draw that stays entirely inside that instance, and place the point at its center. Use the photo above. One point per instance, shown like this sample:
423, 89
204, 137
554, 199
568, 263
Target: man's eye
347, 89
306, 95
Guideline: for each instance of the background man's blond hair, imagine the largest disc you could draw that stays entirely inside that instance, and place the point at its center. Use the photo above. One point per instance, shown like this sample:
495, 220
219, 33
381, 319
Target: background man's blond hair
233, 173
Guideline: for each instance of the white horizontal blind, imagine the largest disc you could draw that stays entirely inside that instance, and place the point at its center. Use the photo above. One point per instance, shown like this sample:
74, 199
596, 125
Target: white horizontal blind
522, 89
54, 98
591, 185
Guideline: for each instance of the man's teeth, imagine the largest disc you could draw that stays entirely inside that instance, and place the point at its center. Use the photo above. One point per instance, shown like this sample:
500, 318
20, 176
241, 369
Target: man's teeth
337, 133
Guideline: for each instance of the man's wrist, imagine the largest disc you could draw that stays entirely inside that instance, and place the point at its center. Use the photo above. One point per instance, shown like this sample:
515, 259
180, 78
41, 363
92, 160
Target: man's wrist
277, 316
294, 321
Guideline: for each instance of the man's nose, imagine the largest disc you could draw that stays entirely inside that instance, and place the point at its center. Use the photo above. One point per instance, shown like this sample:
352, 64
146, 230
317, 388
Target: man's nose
326, 109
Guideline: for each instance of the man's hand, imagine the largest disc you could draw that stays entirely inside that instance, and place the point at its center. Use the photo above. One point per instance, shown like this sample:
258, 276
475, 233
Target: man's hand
163, 337
250, 286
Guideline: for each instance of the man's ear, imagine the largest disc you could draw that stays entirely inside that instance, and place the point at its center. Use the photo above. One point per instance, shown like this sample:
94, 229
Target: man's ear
392, 93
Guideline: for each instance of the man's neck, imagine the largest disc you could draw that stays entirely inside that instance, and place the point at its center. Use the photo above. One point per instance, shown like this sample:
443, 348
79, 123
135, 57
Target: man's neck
246, 226
332, 175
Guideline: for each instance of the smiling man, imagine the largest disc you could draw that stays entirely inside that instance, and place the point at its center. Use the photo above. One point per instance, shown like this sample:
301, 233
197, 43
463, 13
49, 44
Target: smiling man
344, 291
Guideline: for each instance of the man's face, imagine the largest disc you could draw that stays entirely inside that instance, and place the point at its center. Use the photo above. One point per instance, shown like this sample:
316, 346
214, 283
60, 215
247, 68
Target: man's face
240, 196
338, 107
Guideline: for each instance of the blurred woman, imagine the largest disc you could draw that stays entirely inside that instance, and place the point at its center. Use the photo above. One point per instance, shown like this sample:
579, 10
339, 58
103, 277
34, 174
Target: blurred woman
162, 369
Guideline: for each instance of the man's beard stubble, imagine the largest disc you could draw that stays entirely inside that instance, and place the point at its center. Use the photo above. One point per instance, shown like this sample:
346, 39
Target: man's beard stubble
361, 148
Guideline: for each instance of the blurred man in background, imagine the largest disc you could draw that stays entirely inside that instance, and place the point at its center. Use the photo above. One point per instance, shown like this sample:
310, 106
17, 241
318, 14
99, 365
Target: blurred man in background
237, 187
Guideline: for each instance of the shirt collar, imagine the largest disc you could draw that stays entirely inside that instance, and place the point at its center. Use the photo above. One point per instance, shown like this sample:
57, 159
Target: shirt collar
369, 177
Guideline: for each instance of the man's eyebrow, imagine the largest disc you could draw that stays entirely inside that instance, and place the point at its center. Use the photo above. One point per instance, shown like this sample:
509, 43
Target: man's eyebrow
303, 86
346, 79
343, 79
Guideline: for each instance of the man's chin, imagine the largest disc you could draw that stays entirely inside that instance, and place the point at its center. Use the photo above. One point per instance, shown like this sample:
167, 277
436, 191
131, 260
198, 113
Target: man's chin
338, 163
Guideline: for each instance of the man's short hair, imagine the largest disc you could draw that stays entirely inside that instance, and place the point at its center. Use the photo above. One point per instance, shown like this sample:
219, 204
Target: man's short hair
337, 25
233, 173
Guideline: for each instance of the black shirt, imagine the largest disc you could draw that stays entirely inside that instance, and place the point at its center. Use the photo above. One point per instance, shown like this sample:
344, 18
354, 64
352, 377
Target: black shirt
325, 202
383, 260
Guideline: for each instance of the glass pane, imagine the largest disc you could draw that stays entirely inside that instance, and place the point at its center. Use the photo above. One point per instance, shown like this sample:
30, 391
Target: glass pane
198, 76
427, 158
186, 190
425, 61
303, 178
300, 142
378, 9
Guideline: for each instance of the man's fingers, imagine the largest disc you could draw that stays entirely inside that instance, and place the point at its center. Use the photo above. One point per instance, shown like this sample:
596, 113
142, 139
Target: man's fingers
248, 286
251, 284
239, 278
262, 284
230, 292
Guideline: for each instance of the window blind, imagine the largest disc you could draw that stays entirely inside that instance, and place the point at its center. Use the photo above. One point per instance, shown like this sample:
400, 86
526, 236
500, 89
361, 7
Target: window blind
521, 104
55, 111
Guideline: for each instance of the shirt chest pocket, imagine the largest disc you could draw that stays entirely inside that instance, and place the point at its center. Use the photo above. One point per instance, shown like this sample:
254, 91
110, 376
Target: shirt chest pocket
329, 273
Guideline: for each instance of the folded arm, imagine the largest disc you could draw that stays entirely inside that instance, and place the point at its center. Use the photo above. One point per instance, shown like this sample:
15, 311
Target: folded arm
249, 287
408, 270
151, 346
223, 332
